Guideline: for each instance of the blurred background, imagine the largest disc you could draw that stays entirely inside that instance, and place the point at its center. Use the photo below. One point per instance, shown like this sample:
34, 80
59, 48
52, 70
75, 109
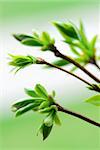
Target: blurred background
27, 16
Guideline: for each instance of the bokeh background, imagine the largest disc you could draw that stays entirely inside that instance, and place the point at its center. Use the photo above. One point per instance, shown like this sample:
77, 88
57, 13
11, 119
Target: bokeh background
26, 16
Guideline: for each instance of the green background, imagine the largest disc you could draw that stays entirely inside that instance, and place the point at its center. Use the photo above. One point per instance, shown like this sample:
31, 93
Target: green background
20, 134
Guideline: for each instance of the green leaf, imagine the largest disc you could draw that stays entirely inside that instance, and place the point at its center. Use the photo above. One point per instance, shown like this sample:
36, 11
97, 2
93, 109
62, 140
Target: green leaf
84, 39
48, 109
53, 93
44, 104
31, 42
50, 118
45, 110
73, 69
60, 62
20, 62
57, 120
92, 44
41, 91
74, 50
21, 37
45, 130
21, 104
97, 57
25, 110
48, 121
45, 38
95, 100
31, 93
67, 29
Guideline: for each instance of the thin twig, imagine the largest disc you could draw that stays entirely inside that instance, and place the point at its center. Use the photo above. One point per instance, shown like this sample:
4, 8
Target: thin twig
60, 108
42, 61
54, 66
58, 54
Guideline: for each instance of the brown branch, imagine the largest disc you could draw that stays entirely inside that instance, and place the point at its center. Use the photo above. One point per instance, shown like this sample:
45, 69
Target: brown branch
42, 61
58, 54
60, 108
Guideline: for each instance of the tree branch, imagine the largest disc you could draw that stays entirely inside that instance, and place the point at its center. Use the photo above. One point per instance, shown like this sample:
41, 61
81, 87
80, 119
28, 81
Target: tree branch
42, 61
60, 108
58, 54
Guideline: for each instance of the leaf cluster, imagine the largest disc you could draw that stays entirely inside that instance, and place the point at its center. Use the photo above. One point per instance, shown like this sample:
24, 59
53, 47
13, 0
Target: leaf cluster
42, 40
83, 49
39, 101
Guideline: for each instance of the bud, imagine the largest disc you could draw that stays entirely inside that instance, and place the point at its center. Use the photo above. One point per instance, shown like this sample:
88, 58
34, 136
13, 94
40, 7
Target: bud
14, 109
48, 121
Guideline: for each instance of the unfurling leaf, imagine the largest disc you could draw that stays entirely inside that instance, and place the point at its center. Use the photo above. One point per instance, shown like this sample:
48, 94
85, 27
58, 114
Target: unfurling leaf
67, 29
31, 93
41, 91
45, 130
40, 102
74, 50
20, 62
42, 40
21, 37
57, 120
20, 112
84, 39
44, 104
92, 44
48, 109
21, 104
95, 100
53, 93
61, 62
48, 121
31, 42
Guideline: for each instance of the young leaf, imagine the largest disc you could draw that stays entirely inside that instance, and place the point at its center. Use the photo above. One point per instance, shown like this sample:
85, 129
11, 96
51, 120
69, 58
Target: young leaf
84, 39
95, 100
41, 91
45, 110
73, 69
97, 57
67, 30
45, 37
44, 104
48, 121
21, 37
48, 109
74, 50
31, 42
92, 45
31, 93
45, 130
26, 110
53, 93
21, 104
57, 120
20, 62
61, 62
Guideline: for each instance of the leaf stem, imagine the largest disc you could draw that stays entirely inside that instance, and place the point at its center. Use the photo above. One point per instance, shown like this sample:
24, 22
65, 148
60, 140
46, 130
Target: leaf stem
60, 108
58, 54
